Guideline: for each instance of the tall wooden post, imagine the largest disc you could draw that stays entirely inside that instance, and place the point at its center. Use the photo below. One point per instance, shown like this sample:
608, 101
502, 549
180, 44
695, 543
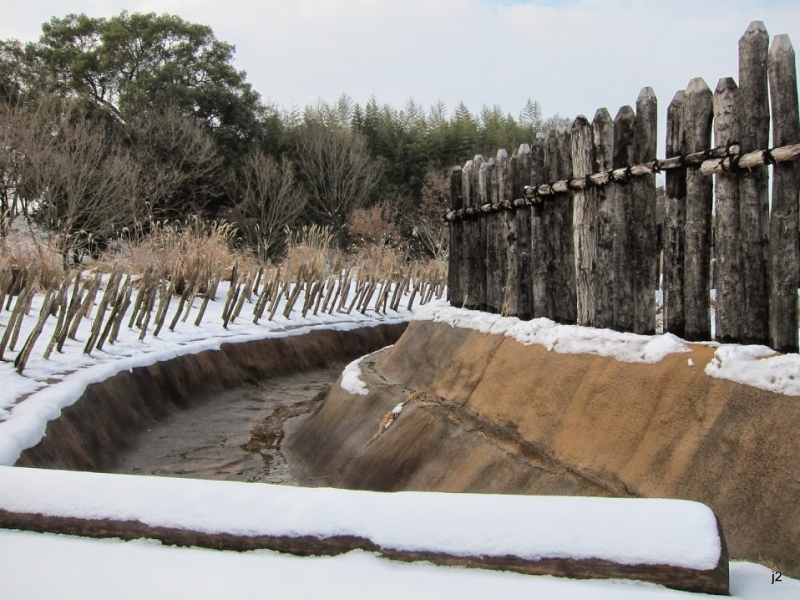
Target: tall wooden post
644, 215
504, 241
674, 222
478, 248
584, 223
753, 184
456, 254
550, 220
523, 178
624, 124
567, 304
539, 292
495, 267
603, 139
727, 241
698, 112
512, 237
468, 294
783, 230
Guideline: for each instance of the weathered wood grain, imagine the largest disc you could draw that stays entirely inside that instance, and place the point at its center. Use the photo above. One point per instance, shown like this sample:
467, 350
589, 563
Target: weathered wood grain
727, 240
753, 183
584, 224
698, 113
603, 140
643, 193
783, 231
624, 124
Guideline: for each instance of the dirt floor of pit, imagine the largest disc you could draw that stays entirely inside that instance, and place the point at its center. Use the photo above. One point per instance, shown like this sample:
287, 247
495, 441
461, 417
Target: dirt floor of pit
235, 435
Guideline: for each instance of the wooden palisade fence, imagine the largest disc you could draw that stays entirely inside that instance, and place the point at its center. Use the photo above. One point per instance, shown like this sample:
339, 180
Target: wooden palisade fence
565, 227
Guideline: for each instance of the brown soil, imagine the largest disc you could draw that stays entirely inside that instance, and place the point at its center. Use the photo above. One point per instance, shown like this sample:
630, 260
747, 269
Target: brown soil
496, 416
234, 435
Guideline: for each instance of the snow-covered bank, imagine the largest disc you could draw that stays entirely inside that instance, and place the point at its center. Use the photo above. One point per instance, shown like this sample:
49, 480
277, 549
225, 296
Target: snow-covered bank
38, 395
757, 366
85, 569
626, 531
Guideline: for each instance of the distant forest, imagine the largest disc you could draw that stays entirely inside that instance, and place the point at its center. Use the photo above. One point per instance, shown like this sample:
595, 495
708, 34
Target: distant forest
111, 124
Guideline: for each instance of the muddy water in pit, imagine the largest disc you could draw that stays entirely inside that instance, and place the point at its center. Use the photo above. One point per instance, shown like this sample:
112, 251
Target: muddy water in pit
234, 436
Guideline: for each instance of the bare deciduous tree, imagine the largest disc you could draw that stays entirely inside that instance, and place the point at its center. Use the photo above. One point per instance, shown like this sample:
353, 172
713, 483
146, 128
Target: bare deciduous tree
78, 183
427, 224
269, 200
179, 163
338, 172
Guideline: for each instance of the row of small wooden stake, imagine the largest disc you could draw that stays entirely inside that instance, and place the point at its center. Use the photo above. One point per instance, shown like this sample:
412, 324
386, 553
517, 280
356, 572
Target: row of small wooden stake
591, 256
73, 300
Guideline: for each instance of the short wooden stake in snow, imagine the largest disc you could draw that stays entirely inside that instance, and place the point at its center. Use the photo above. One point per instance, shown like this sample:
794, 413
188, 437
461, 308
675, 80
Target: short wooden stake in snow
22, 358
119, 305
783, 235
24, 354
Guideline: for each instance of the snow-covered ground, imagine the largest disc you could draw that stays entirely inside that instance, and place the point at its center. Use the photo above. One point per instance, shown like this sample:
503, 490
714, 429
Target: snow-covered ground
52, 566
31, 399
48, 566
757, 366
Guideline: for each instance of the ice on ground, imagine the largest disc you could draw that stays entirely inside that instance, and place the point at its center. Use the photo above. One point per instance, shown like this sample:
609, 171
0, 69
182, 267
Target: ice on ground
623, 530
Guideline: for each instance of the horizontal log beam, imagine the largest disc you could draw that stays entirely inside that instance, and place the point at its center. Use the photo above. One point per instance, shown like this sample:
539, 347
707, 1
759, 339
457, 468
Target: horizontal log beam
716, 160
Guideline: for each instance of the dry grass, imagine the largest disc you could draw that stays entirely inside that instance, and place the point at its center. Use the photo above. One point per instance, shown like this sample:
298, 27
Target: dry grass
175, 249
312, 250
21, 250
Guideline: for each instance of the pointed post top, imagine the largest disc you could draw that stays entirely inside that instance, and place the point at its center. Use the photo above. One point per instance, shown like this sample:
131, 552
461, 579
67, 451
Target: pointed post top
781, 44
502, 154
580, 121
647, 93
457, 169
561, 127
602, 115
697, 85
755, 28
524, 149
626, 112
677, 99
726, 83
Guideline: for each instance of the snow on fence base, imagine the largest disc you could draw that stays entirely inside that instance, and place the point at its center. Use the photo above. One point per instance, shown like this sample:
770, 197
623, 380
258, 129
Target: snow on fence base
675, 543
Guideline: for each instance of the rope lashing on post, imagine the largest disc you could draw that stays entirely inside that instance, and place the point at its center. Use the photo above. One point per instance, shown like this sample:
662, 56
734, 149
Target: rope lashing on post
723, 159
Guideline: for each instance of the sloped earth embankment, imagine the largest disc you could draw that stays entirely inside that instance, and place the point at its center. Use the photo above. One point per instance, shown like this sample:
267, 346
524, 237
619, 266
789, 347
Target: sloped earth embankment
484, 413
111, 415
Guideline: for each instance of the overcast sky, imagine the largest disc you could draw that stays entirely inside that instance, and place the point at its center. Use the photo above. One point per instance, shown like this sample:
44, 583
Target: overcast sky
573, 56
